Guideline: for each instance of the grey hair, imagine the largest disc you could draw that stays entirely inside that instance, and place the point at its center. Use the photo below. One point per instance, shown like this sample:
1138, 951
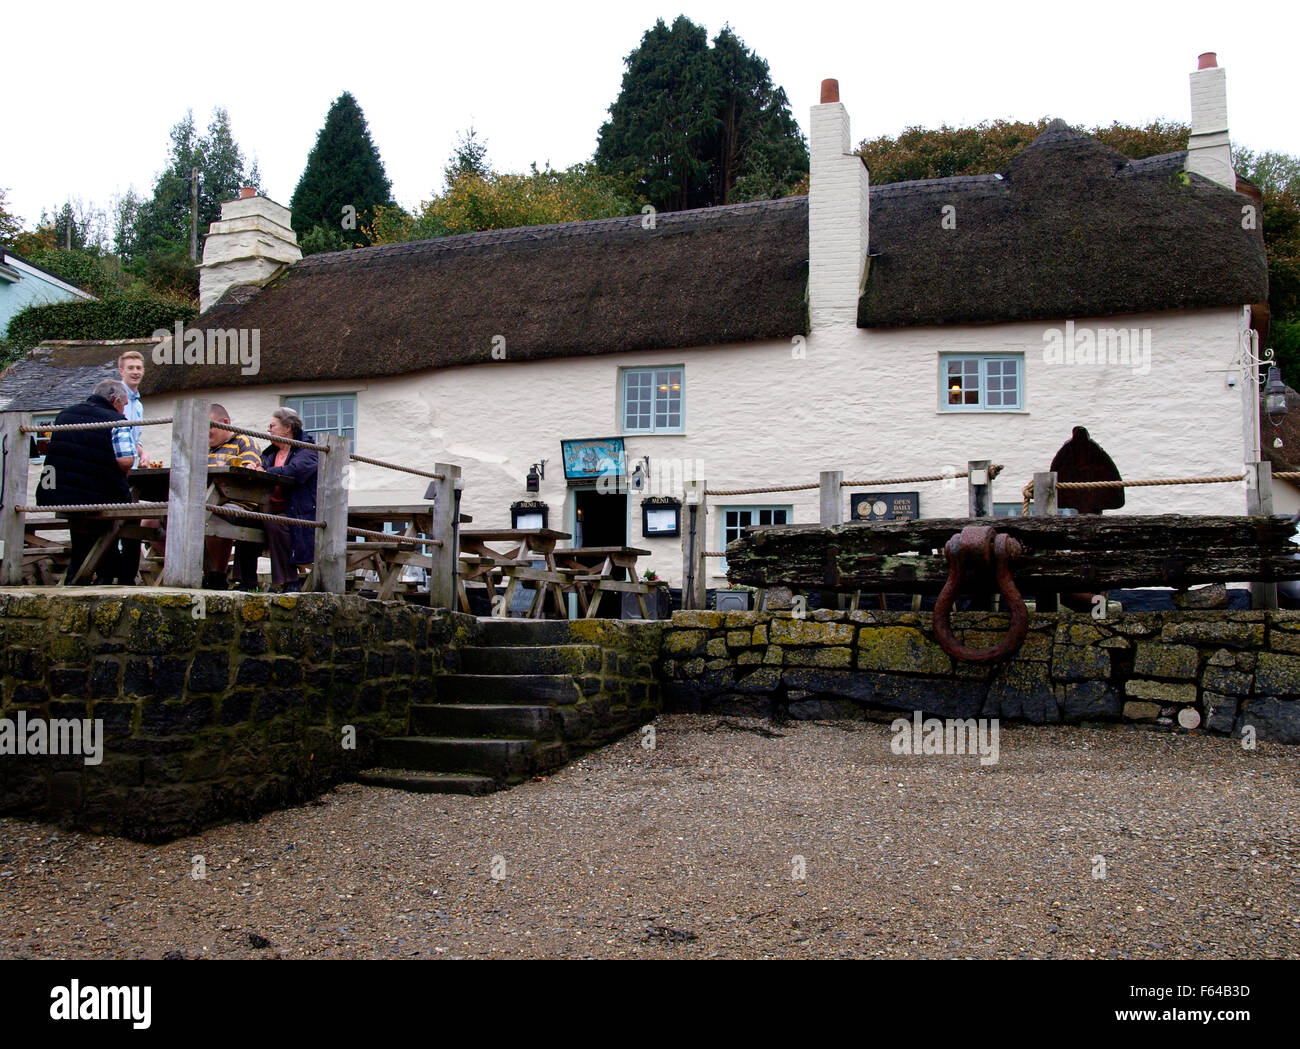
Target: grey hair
290, 418
111, 390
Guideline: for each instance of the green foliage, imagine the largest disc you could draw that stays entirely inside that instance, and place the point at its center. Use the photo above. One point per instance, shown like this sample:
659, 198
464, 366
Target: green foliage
468, 158
116, 318
343, 171
700, 125
322, 238
161, 225
10, 224
1278, 177
1284, 339
919, 153
504, 201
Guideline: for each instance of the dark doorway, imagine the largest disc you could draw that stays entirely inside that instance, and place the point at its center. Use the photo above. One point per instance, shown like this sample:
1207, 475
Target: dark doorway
599, 519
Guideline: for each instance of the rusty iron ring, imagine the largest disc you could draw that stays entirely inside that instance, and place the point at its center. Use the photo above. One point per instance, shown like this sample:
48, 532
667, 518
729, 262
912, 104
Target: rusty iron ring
977, 546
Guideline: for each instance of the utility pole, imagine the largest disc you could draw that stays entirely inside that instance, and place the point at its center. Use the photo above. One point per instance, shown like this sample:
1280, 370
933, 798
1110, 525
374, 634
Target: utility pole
194, 214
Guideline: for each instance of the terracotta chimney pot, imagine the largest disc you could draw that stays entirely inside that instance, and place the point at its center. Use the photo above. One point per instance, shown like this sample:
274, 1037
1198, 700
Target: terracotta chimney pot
1207, 60
830, 91
246, 192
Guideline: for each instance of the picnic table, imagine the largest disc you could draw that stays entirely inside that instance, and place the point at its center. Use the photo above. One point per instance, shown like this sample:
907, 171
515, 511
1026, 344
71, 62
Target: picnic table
226, 484
597, 572
389, 560
511, 556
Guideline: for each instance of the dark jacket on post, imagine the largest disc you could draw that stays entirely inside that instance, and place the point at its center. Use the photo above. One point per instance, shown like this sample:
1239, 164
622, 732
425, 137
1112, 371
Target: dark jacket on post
80, 465
301, 497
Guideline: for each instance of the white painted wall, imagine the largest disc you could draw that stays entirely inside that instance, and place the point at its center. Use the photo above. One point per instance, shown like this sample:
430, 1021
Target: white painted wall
865, 402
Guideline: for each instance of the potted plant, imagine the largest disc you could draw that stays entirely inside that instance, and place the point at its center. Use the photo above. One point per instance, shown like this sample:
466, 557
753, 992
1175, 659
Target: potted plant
659, 604
734, 598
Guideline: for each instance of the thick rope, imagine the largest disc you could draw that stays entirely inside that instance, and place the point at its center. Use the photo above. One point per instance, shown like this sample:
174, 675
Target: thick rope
394, 538
760, 491
898, 480
105, 425
994, 470
88, 508
714, 553
1224, 479
232, 428
228, 510
394, 466
1289, 475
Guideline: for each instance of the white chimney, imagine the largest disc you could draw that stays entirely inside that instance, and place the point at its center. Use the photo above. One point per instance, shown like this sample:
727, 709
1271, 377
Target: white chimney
1208, 152
838, 204
252, 241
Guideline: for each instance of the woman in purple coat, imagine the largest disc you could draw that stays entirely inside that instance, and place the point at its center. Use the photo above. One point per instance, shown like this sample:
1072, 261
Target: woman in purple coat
291, 548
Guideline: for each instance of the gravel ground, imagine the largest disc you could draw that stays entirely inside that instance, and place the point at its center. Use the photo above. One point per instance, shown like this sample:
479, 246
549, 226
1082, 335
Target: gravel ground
690, 850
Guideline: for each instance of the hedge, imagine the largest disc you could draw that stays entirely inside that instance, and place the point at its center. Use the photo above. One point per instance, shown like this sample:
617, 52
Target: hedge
104, 319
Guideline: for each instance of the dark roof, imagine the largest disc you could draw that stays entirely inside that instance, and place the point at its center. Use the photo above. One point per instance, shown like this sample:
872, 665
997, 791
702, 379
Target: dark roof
699, 278
56, 374
1072, 228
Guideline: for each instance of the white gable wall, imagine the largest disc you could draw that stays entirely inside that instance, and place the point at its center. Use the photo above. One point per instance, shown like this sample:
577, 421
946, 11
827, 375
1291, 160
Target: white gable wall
864, 402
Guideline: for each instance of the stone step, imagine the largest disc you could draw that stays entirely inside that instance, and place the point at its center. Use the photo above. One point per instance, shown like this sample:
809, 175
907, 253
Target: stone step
502, 759
512, 632
531, 689
530, 659
484, 720
427, 782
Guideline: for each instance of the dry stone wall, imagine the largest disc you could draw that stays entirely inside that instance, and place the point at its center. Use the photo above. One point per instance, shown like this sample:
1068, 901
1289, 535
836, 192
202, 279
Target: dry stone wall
1234, 669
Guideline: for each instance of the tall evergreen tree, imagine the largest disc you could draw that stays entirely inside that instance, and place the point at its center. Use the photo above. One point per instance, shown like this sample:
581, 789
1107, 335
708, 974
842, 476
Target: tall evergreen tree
701, 125
343, 171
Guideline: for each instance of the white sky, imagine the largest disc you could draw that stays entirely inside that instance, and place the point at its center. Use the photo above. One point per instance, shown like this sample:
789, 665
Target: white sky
93, 88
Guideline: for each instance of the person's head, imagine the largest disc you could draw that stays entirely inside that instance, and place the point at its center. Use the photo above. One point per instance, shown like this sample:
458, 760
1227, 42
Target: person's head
112, 391
130, 366
216, 435
285, 422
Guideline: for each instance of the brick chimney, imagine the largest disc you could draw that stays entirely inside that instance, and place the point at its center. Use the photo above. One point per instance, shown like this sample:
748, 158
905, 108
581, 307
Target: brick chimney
252, 240
838, 202
1208, 153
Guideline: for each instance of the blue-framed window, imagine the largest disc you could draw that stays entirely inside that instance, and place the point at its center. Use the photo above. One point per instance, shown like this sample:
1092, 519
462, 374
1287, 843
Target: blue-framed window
327, 413
733, 520
973, 382
653, 400
42, 440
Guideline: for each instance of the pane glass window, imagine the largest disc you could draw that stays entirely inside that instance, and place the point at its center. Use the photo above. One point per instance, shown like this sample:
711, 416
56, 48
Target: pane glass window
652, 400
735, 519
335, 413
976, 383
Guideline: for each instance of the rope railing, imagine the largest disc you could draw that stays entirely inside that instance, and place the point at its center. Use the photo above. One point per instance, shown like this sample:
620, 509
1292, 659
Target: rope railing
229, 510
760, 491
107, 424
393, 466
89, 508
1027, 493
994, 470
392, 537
247, 431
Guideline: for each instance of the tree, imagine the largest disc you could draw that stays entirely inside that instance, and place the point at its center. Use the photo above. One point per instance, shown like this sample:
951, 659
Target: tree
344, 180
1278, 177
693, 122
10, 224
490, 200
468, 158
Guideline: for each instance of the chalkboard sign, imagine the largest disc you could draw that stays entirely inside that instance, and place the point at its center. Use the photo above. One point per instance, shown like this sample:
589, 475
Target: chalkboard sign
885, 506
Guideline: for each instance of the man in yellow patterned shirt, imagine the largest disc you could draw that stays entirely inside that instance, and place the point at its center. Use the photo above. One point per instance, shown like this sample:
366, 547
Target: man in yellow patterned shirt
230, 449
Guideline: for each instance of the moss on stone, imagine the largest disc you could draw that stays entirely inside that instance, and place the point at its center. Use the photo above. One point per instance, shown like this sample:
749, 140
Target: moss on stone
901, 648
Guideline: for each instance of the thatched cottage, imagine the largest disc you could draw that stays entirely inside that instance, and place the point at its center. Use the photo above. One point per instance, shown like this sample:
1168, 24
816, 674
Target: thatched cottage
884, 331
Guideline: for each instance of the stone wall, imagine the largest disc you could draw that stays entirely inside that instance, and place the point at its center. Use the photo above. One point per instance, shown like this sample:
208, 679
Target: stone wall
214, 710
1233, 668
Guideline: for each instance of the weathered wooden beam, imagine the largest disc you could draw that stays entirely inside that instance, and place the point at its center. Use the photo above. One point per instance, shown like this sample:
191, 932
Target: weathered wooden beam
694, 544
1045, 506
186, 495
442, 560
14, 493
329, 574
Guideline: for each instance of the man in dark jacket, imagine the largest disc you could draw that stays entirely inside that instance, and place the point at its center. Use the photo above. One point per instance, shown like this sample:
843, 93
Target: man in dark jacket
89, 466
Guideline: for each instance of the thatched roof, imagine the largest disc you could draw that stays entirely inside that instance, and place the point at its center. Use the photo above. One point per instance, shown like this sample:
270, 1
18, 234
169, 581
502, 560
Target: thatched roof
1072, 228
698, 278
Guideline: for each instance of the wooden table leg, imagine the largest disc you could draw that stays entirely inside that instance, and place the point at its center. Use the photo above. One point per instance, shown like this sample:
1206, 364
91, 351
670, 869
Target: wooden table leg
97, 552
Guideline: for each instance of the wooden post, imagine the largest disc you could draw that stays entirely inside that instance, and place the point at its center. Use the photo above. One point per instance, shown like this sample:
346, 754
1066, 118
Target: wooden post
1259, 503
187, 495
694, 543
1045, 506
13, 536
446, 526
980, 497
832, 505
330, 572
980, 487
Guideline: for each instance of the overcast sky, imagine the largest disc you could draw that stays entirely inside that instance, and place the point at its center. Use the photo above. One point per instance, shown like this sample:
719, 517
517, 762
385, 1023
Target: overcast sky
93, 89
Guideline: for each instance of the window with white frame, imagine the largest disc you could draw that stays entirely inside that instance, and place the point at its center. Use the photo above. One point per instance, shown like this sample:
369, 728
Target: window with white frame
974, 382
735, 519
327, 413
652, 400
42, 437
